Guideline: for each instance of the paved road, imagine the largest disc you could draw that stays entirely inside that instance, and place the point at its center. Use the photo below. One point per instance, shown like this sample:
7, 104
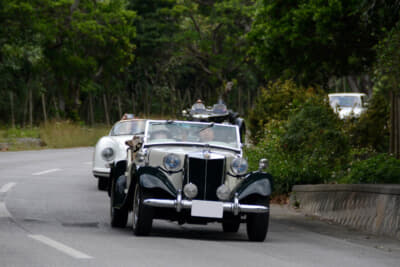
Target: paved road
51, 214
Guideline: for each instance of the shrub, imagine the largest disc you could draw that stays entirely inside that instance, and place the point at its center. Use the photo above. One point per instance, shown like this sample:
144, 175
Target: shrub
275, 103
308, 148
372, 128
381, 168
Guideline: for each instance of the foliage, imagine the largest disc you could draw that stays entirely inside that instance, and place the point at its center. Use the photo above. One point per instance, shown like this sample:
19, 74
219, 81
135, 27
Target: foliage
371, 129
309, 147
387, 71
381, 168
311, 40
275, 103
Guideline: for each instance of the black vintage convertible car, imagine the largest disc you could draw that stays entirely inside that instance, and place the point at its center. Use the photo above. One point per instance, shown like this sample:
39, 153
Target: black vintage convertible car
190, 172
218, 113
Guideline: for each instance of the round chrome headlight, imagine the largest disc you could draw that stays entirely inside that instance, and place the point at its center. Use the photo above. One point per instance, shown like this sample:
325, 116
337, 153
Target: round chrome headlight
172, 162
108, 154
239, 166
223, 192
190, 190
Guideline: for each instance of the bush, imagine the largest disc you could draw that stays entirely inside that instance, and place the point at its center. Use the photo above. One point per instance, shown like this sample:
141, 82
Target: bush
381, 168
308, 148
372, 128
275, 103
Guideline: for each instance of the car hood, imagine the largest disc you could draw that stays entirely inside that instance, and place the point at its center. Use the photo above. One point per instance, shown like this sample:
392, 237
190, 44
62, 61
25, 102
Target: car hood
349, 112
121, 139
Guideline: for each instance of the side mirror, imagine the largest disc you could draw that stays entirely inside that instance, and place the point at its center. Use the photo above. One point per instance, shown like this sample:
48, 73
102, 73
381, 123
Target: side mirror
263, 164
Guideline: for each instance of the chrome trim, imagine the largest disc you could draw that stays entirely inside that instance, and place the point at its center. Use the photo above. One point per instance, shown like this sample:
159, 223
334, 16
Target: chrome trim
236, 204
180, 204
179, 201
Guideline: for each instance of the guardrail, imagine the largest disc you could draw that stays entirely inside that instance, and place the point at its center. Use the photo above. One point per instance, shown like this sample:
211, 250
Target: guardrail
369, 207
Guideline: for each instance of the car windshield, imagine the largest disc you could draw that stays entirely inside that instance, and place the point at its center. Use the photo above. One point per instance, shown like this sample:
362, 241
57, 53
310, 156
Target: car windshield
129, 127
345, 101
192, 132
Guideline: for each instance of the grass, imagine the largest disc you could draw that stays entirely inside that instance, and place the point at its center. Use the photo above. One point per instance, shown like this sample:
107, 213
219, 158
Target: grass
55, 134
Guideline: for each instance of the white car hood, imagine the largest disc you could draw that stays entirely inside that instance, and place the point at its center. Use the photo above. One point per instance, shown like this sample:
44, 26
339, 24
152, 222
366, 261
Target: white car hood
350, 112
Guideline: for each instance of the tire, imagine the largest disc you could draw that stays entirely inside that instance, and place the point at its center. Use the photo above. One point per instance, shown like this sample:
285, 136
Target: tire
257, 223
118, 216
230, 227
102, 183
142, 217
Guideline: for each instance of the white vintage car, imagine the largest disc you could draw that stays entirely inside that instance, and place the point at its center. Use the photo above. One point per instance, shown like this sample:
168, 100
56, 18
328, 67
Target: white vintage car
190, 172
112, 148
348, 105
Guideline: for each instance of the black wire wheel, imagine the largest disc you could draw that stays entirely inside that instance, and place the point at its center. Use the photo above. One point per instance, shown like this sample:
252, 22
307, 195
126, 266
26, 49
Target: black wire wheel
118, 215
142, 215
257, 223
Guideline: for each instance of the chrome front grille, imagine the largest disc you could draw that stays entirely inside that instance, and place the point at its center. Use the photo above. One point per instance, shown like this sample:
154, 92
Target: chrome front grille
207, 175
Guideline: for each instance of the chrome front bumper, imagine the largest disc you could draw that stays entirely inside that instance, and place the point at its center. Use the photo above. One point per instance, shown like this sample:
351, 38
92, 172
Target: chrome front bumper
180, 204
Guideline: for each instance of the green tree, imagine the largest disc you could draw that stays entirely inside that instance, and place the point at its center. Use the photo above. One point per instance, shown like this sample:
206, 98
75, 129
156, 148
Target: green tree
387, 75
313, 40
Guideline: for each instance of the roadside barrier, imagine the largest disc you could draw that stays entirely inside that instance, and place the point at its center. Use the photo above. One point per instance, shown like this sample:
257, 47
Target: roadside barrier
373, 208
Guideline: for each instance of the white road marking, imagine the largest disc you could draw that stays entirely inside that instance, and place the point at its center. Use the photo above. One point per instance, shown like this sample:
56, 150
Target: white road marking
46, 171
4, 211
5, 188
61, 247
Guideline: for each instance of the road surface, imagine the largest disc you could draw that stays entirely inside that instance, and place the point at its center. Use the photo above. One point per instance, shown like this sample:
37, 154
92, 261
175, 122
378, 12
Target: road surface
51, 214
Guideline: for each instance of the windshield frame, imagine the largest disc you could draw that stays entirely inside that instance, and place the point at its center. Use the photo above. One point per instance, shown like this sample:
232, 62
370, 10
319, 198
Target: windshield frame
125, 121
177, 143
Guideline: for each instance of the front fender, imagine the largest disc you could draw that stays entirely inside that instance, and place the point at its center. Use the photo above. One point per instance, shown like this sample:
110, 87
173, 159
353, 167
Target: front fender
151, 177
255, 183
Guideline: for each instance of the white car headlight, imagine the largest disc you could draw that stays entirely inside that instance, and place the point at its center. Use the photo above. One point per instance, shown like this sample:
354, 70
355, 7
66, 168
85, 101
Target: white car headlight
172, 162
239, 166
108, 154
223, 192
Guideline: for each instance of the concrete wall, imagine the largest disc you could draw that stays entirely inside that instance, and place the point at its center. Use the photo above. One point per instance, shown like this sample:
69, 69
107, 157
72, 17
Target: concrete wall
373, 208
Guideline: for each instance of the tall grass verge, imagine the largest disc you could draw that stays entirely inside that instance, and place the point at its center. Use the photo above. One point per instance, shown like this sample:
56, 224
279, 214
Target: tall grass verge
63, 134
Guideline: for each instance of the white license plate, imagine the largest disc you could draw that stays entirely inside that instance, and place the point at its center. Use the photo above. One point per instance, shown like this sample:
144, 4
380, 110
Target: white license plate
210, 209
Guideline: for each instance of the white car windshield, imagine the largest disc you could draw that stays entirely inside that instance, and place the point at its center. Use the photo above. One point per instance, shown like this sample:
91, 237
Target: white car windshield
160, 132
129, 127
345, 101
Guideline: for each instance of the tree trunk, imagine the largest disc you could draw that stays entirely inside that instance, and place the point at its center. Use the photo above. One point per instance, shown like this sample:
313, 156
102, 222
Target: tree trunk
91, 113
353, 83
146, 101
30, 96
248, 100
119, 105
394, 145
44, 108
133, 102
56, 108
12, 109
25, 111
106, 110
239, 100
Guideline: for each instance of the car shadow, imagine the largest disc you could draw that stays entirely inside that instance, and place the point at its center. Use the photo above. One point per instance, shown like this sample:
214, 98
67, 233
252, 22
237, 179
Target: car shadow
211, 232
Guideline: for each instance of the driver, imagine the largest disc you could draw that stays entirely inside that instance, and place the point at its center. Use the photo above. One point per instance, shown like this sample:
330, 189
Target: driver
198, 105
206, 135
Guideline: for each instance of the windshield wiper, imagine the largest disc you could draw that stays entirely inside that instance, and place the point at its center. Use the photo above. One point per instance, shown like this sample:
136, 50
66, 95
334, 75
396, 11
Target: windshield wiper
208, 126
